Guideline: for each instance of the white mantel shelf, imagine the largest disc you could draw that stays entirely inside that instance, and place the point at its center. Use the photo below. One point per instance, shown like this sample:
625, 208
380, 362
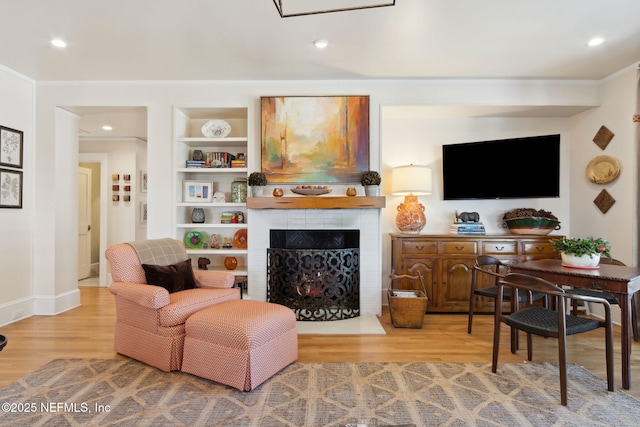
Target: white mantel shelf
317, 202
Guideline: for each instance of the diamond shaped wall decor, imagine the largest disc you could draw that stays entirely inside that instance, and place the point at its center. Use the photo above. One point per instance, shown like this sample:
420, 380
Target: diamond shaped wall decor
603, 137
604, 201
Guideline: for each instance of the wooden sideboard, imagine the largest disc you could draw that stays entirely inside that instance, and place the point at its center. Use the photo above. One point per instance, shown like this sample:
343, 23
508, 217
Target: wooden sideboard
446, 262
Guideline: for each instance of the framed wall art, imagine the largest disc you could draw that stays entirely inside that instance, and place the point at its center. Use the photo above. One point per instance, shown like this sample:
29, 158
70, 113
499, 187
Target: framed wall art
315, 139
10, 147
143, 181
197, 191
10, 189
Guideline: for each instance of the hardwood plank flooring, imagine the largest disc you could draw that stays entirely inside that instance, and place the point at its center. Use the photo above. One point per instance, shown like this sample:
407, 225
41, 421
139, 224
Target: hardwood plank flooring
87, 332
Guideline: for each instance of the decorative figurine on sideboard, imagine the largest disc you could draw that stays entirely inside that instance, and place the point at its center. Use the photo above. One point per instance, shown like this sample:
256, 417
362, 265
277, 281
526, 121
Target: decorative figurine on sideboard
468, 217
467, 223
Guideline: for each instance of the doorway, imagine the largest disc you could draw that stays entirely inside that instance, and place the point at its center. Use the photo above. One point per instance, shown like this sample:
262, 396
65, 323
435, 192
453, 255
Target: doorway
116, 138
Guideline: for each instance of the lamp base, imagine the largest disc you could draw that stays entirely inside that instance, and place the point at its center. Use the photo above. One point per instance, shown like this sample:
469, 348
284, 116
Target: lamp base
410, 218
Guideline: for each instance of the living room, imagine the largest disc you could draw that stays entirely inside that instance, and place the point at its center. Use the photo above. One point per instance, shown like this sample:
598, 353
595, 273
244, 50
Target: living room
410, 120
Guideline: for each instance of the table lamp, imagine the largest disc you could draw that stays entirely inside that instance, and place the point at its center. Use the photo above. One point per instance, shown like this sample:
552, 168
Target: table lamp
411, 181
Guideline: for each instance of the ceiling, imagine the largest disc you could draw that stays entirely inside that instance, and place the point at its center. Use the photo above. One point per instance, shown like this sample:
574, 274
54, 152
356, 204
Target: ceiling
248, 40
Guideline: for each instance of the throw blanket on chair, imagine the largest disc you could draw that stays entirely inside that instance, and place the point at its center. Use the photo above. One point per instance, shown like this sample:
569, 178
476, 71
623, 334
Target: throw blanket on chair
159, 251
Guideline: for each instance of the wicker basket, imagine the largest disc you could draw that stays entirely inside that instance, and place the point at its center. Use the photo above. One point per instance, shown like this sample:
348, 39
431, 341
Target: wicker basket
407, 307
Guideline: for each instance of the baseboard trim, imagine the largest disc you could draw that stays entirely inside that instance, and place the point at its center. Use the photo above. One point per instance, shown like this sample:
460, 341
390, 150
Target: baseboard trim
46, 305
16, 310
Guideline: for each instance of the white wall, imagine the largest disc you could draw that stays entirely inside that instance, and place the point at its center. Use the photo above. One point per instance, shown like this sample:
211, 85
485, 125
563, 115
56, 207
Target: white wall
619, 224
123, 159
418, 139
16, 233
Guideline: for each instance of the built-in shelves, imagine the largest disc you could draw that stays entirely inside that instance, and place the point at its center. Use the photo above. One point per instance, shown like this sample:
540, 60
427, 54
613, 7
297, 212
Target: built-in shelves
188, 122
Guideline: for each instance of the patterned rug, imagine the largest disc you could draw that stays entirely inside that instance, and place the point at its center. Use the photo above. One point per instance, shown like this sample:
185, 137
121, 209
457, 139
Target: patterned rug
128, 393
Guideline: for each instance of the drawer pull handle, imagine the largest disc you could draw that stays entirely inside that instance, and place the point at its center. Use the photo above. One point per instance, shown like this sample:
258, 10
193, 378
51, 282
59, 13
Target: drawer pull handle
419, 247
540, 249
601, 286
459, 248
500, 249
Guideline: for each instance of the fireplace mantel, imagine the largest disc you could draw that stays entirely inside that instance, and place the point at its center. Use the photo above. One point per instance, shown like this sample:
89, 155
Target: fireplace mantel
317, 202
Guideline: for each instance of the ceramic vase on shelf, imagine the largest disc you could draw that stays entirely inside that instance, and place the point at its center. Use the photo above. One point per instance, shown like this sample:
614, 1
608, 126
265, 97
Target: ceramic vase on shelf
197, 216
239, 191
230, 263
586, 261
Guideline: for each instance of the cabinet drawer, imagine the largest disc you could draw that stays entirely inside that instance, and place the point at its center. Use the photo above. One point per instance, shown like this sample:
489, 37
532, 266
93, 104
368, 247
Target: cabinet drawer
499, 248
541, 249
460, 248
419, 247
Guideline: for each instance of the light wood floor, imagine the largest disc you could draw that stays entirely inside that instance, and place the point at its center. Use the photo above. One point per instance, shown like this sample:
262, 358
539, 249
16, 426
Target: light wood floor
87, 332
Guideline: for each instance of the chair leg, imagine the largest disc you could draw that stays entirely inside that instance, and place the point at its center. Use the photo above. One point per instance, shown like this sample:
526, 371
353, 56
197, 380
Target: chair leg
609, 355
562, 365
496, 345
529, 347
472, 307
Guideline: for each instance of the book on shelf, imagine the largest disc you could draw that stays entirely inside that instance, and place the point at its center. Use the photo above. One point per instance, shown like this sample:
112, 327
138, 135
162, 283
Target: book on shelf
195, 163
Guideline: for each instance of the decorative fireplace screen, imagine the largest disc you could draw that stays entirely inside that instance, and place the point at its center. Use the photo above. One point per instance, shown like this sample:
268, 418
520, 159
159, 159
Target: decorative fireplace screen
320, 283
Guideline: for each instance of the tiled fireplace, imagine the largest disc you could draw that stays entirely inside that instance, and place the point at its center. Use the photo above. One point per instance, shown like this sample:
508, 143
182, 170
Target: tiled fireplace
367, 221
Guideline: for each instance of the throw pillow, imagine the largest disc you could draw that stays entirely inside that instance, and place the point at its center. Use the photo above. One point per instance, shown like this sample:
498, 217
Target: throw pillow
174, 278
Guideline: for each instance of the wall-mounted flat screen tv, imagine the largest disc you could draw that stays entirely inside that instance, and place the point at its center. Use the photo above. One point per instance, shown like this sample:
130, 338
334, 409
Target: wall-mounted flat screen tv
517, 168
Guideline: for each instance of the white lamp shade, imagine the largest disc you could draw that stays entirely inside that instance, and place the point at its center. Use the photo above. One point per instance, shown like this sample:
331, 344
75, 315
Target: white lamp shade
411, 179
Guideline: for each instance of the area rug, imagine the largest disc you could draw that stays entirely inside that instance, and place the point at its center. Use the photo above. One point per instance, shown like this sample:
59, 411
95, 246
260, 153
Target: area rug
128, 393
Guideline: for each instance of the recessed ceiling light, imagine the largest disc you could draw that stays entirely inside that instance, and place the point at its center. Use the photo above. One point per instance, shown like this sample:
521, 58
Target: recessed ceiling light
321, 43
59, 43
595, 41
107, 127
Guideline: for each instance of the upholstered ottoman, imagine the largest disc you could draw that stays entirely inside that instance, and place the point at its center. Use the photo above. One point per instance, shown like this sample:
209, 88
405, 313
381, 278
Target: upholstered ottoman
240, 343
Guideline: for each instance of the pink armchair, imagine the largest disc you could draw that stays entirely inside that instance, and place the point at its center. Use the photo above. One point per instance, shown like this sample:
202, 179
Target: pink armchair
150, 321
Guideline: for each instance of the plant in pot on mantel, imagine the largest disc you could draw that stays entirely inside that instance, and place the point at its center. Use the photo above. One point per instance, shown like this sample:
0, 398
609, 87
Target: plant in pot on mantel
371, 181
582, 252
257, 182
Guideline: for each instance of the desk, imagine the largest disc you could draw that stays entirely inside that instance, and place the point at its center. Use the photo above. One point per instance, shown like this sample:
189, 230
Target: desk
616, 280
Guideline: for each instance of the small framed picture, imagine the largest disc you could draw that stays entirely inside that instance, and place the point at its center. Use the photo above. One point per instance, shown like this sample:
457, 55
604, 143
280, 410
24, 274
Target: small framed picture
10, 189
143, 181
115, 188
10, 147
143, 212
197, 191
115, 198
126, 198
115, 177
126, 177
127, 188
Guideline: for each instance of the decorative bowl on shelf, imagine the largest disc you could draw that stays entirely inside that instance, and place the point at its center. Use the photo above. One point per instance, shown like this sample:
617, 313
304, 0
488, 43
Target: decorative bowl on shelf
531, 225
194, 240
216, 129
311, 191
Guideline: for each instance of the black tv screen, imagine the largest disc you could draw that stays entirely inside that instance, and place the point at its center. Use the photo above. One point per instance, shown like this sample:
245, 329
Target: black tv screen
517, 168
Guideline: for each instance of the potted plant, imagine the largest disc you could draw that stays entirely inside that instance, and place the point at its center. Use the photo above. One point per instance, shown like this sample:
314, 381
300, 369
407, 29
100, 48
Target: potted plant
257, 181
582, 252
530, 221
371, 182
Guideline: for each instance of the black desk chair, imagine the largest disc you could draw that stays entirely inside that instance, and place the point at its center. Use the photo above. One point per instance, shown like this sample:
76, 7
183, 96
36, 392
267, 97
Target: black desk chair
486, 264
549, 323
3, 341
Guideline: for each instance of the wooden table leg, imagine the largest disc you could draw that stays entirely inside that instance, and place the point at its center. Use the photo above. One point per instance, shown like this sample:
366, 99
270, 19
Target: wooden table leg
625, 332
